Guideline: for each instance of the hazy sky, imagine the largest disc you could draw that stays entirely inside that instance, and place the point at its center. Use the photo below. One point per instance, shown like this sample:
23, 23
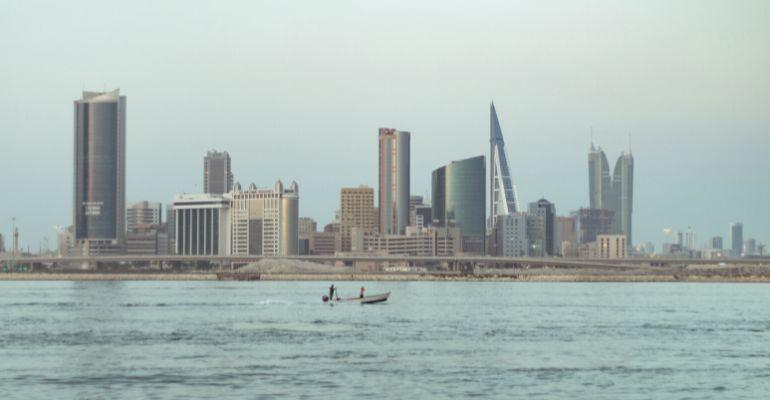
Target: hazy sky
296, 90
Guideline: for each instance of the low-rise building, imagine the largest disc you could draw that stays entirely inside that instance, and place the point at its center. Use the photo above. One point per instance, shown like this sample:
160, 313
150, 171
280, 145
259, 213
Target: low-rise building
324, 243
142, 214
611, 247
202, 224
432, 241
149, 241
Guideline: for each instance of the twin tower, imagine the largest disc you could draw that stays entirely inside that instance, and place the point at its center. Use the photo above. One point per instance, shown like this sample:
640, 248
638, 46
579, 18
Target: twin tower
612, 192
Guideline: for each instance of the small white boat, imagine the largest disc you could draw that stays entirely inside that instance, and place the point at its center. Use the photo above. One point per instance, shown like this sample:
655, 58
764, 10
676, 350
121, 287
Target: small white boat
377, 298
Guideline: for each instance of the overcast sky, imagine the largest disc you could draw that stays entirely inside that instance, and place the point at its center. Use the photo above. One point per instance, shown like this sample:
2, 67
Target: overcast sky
296, 90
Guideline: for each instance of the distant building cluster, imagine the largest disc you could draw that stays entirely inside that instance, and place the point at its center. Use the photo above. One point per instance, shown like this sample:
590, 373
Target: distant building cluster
685, 245
227, 219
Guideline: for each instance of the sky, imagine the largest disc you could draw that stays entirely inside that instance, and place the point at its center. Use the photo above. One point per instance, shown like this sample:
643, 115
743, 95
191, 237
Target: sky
296, 90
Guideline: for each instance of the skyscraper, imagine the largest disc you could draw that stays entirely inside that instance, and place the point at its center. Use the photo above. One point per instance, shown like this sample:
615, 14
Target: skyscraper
265, 221
545, 211
599, 183
458, 199
590, 222
616, 194
749, 247
394, 181
142, 214
623, 195
100, 172
217, 176
715, 243
736, 239
503, 198
510, 235
356, 211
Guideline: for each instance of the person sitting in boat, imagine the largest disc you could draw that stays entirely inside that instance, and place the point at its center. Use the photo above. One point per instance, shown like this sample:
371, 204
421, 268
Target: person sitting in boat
362, 292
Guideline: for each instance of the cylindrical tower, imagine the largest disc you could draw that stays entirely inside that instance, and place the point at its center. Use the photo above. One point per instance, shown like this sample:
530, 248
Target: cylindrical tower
100, 153
289, 231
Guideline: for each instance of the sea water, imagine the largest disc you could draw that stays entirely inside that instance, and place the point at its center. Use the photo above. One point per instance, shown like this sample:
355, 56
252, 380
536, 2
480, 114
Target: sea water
263, 340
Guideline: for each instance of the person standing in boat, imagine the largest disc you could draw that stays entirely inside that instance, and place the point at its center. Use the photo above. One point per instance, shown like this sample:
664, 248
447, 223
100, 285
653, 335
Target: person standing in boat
331, 292
362, 292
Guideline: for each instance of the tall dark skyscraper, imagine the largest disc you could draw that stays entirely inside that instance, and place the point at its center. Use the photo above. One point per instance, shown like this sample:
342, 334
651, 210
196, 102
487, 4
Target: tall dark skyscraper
458, 199
617, 193
217, 175
502, 192
736, 239
545, 212
623, 195
100, 172
394, 181
599, 183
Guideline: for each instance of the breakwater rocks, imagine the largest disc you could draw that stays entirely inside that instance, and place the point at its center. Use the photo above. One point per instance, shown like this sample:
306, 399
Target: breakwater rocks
96, 276
537, 275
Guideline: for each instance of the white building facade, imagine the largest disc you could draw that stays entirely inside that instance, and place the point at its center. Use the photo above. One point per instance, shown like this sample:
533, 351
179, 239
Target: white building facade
265, 221
202, 224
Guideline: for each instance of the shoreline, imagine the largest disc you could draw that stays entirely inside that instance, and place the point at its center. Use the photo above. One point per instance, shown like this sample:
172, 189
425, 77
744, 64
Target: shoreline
395, 277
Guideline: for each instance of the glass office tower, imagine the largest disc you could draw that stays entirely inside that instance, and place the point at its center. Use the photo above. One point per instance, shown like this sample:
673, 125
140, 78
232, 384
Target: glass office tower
459, 199
100, 172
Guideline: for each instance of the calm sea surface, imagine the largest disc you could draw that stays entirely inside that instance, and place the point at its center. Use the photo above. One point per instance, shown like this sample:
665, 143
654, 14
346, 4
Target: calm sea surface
135, 340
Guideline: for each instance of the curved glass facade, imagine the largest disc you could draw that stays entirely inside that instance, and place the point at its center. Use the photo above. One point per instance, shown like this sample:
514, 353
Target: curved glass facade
100, 166
459, 198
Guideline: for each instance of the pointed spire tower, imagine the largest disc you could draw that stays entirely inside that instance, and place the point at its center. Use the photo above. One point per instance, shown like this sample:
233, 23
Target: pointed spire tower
502, 193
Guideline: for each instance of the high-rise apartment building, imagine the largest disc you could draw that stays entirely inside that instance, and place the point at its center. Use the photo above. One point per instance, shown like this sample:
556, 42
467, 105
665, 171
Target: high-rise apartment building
307, 229
171, 228
356, 211
217, 174
689, 240
100, 173
142, 214
265, 221
749, 247
503, 198
307, 226
591, 222
145, 232
414, 202
394, 181
565, 236
544, 242
715, 243
510, 235
736, 239
616, 194
458, 200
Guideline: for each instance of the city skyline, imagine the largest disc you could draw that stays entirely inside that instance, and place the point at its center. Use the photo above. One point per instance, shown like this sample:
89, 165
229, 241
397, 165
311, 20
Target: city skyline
700, 138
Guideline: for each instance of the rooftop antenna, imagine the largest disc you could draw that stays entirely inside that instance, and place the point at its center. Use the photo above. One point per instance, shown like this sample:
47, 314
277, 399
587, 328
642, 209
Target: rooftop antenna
592, 136
629, 143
